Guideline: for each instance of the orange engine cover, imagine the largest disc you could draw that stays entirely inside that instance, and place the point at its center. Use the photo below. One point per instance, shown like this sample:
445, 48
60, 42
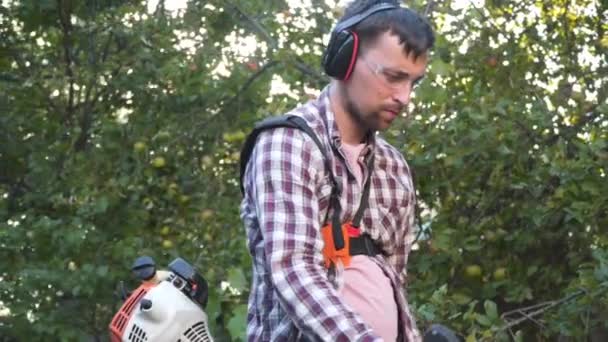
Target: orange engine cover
122, 317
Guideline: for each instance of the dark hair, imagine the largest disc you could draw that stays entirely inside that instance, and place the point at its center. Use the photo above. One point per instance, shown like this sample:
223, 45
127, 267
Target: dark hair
414, 32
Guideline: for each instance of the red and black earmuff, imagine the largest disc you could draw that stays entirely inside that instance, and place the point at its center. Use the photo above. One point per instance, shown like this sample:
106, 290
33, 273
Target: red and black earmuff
341, 53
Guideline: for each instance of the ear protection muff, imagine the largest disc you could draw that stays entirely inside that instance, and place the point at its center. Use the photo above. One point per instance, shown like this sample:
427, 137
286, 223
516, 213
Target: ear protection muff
341, 53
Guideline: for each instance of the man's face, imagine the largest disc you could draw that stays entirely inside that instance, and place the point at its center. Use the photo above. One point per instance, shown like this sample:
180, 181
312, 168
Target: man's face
380, 86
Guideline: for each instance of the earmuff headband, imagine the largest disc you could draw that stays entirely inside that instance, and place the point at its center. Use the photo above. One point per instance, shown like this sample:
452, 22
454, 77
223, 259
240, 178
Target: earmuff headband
354, 20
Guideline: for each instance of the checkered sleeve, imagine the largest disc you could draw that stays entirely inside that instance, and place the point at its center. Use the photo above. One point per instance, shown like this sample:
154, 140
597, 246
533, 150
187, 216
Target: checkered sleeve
406, 220
403, 245
404, 242
287, 170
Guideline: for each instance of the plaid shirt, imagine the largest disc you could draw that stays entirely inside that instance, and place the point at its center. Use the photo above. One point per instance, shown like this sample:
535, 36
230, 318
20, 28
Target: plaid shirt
286, 201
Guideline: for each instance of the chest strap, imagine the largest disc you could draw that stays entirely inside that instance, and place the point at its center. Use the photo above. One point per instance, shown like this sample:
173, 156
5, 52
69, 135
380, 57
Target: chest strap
364, 245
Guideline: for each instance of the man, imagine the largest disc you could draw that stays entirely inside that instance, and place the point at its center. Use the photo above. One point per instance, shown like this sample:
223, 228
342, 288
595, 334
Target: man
287, 191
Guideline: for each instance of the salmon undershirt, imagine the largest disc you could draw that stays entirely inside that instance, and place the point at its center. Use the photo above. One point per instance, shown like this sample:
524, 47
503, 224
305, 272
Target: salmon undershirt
367, 290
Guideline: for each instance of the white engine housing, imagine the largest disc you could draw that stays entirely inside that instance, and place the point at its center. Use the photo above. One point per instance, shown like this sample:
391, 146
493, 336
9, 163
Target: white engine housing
171, 317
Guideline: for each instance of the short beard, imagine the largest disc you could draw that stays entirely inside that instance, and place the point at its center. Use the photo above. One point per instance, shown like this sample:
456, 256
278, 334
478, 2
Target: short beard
357, 115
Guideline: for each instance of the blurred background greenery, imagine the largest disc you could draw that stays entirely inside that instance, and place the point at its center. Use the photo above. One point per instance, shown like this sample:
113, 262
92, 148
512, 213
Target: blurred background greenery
121, 124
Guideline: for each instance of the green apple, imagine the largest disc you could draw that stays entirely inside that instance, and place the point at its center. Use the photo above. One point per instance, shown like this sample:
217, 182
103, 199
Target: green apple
473, 271
159, 162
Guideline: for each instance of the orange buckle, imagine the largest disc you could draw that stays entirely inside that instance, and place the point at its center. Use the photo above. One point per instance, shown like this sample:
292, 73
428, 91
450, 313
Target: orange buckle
330, 254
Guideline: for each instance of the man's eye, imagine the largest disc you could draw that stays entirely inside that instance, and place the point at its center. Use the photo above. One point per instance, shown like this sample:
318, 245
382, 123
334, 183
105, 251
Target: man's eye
392, 78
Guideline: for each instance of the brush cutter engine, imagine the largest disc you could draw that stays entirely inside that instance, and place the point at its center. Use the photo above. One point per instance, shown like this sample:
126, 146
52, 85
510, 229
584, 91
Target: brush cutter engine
167, 306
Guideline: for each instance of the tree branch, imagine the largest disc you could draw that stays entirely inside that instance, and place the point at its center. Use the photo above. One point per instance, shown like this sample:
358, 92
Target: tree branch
249, 82
160, 8
66, 27
86, 121
543, 307
537, 309
106, 48
258, 27
298, 63
429, 7
226, 101
306, 69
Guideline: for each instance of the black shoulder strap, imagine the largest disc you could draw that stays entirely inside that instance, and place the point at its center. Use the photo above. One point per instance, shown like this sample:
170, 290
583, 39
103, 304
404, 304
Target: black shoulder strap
275, 122
299, 123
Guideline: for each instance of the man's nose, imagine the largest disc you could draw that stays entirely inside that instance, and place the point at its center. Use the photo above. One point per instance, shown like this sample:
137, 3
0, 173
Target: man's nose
402, 94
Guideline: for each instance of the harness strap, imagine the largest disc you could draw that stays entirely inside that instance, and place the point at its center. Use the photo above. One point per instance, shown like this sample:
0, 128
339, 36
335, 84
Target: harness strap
289, 121
335, 204
364, 245
365, 196
293, 121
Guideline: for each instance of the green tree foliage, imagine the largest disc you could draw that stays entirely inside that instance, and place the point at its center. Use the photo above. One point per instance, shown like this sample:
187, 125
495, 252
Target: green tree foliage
121, 124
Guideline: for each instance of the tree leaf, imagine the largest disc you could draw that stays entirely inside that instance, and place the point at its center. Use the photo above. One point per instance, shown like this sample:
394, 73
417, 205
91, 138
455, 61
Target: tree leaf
237, 323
